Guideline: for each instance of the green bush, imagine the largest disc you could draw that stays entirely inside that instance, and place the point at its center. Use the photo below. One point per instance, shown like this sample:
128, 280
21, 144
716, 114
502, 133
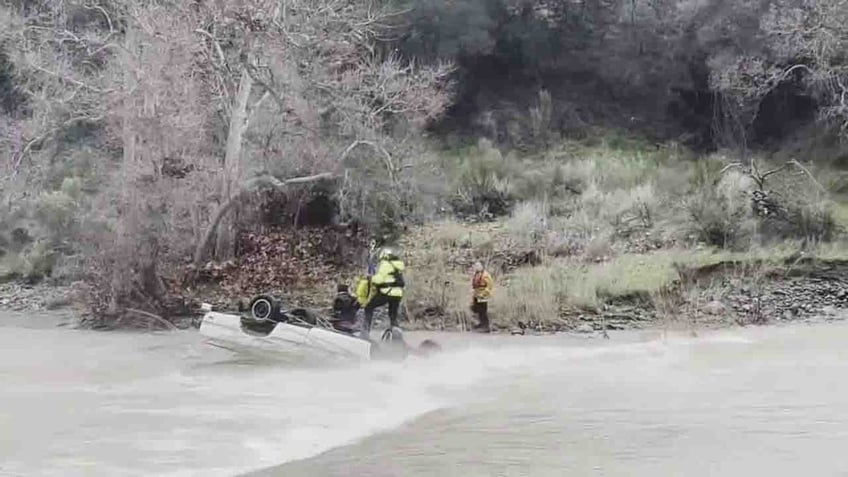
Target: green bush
728, 208
40, 261
484, 183
799, 217
528, 223
719, 213
813, 222
32, 264
37, 233
56, 211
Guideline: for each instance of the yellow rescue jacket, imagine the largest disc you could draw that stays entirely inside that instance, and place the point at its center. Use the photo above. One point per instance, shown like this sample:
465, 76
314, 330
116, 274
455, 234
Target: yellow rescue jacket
386, 277
364, 291
481, 283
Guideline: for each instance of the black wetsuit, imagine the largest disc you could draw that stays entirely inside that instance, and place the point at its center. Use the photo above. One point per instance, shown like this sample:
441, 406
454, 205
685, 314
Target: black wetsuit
345, 307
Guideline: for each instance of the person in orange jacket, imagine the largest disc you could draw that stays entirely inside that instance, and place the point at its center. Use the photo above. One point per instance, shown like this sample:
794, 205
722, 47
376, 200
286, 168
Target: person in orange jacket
481, 285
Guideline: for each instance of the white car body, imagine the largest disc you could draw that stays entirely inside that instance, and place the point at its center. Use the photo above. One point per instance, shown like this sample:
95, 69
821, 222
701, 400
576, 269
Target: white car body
282, 337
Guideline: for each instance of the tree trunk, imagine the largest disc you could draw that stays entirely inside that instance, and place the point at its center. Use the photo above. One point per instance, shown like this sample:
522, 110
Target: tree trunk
225, 245
128, 138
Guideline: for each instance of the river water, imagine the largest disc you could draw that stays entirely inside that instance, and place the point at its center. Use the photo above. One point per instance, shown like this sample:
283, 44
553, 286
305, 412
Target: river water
757, 401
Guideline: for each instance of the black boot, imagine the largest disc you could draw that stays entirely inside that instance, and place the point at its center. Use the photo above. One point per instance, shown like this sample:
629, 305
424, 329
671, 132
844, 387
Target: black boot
483, 326
482, 311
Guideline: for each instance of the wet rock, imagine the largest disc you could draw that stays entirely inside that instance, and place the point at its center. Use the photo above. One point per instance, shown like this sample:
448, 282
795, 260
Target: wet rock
829, 310
715, 307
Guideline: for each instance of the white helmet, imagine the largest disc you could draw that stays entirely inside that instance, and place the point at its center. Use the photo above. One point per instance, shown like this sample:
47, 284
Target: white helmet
388, 253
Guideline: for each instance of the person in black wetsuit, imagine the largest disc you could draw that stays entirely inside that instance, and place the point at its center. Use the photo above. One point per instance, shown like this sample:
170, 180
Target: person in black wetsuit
345, 307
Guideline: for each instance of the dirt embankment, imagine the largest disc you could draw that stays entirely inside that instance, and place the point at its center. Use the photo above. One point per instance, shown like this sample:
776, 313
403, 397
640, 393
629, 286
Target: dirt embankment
761, 293
302, 266
732, 293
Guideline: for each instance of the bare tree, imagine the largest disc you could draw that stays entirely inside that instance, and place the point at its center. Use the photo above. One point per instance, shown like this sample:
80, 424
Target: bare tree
321, 84
809, 39
196, 105
801, 42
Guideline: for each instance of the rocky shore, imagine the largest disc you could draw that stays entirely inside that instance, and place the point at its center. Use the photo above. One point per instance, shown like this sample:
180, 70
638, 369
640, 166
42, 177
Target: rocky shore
736, 294
23, 297
718, 296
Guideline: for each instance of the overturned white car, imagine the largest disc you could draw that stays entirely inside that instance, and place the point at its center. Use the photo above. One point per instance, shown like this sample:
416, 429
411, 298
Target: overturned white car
268, 326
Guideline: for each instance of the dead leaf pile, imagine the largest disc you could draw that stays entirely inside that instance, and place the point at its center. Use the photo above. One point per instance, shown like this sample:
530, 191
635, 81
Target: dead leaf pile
282, 261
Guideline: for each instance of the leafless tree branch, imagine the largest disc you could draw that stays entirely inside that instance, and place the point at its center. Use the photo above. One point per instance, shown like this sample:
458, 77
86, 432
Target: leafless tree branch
269, 90
808, 173
216, 44
105, 15
70, 80
18, 158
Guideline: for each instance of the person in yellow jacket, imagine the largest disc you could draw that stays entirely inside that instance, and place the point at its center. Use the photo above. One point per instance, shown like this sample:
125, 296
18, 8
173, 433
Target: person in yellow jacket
386, 289
481, 285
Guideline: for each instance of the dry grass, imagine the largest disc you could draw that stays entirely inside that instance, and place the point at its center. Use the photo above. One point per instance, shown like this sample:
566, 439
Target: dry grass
580, 207
560, 288
548, 290
429, 243
439, 257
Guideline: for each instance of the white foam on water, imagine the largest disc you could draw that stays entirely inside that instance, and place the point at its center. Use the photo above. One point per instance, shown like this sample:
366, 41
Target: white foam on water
322, 410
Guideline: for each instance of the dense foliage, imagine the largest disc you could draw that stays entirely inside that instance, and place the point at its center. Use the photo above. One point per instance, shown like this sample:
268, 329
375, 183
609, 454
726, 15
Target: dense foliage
722, 73
131, 131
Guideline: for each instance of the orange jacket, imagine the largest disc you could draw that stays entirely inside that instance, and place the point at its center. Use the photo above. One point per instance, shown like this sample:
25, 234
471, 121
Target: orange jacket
482, 283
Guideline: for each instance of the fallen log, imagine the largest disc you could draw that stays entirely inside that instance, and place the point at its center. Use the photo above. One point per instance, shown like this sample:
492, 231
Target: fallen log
155, 318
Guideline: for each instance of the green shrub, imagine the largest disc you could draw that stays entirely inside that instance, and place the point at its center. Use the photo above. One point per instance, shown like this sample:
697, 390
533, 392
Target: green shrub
814, 222
484, 183
800, 217
43, 227
56, 211
33, 264
719, 213
546, 181
528, 222
72, 187
40, 261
